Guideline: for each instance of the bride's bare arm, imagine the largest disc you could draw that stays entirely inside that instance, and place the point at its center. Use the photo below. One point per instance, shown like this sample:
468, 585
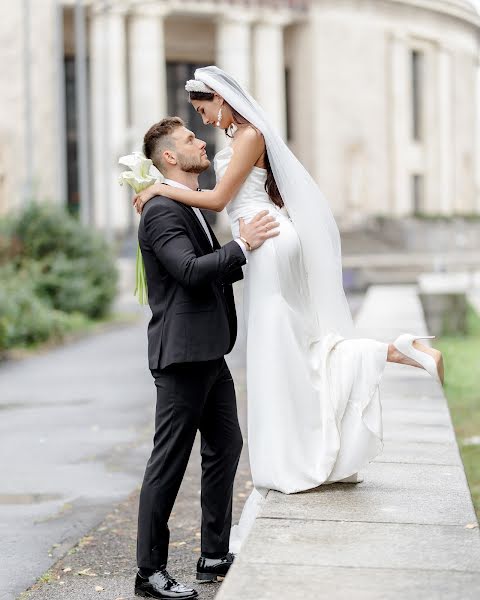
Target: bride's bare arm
247, 147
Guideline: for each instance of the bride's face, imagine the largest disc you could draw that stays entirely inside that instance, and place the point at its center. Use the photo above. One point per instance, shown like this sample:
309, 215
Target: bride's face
209, 111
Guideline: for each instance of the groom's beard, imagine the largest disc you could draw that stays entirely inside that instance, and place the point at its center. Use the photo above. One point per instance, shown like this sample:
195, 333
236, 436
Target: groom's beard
192, 165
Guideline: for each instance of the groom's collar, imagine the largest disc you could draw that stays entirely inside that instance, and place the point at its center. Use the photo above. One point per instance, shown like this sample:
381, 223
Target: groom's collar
176, 184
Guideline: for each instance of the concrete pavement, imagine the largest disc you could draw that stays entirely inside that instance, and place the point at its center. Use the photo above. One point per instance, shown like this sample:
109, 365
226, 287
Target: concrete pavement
74, 434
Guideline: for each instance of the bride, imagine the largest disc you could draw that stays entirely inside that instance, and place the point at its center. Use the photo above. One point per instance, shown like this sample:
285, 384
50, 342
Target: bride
314, 414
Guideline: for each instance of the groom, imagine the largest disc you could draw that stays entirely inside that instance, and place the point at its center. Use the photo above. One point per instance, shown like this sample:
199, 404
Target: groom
193, 326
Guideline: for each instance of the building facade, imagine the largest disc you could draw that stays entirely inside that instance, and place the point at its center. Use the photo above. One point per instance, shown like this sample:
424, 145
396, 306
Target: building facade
378, 98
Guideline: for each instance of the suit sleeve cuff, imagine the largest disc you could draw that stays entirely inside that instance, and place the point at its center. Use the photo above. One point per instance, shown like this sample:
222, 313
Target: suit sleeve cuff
243, 247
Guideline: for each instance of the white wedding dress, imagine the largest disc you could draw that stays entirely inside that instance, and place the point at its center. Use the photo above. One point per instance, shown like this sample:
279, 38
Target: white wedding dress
314, 414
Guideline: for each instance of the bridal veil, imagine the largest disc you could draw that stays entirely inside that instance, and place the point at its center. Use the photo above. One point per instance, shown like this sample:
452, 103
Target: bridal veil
307, 207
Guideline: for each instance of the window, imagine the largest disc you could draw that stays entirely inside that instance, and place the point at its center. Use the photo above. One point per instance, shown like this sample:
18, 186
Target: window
417, 66
72, 136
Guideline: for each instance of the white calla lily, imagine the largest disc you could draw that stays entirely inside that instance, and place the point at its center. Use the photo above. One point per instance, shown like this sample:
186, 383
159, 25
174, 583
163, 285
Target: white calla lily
141, 175
137, 162
142, 172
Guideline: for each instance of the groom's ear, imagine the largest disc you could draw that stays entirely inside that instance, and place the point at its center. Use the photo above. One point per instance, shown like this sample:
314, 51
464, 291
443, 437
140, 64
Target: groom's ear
169, 157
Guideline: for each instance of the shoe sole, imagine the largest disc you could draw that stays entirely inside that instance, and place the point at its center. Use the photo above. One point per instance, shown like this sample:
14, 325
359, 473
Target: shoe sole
209, 577
148, 595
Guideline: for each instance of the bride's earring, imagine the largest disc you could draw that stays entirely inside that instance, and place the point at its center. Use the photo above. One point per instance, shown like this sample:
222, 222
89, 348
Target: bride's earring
219, 117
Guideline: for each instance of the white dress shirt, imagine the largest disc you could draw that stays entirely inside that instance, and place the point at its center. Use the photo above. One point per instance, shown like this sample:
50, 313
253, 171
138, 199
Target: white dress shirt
200, 216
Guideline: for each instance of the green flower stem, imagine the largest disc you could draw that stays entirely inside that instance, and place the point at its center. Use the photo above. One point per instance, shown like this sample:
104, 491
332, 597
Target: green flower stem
138, 178
141, 288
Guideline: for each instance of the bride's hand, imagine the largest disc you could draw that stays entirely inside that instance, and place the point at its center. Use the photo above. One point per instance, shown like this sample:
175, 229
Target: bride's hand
139, 201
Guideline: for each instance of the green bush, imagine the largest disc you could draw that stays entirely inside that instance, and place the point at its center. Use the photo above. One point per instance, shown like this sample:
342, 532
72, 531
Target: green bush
55, 274
77, 268
25, 318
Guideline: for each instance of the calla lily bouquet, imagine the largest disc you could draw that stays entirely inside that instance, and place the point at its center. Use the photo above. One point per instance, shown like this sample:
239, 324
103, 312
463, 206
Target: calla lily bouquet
140, 175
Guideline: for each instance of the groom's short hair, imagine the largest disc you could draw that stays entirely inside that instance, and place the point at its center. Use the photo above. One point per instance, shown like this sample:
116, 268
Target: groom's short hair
158, 138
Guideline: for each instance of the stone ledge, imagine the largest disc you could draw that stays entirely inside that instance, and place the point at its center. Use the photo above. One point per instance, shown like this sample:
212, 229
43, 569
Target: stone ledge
403, 530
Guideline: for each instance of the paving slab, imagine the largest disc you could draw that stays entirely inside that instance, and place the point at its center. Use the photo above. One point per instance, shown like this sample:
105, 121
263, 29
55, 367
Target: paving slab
363, 545
391, 493
431, 453
339, 583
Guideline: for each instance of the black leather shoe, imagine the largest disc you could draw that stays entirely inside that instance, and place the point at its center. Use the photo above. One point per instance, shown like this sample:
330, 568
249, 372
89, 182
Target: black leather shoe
210, 569
161, 585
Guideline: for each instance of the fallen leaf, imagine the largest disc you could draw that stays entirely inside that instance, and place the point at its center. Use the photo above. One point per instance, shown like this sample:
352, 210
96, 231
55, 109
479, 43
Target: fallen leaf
471, 526
86, 572
99, 588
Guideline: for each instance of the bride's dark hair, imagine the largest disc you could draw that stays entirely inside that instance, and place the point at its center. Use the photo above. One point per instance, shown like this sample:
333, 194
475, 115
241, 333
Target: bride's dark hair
270, 184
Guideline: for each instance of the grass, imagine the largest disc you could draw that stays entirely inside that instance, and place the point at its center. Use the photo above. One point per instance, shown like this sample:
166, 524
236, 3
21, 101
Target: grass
462, 388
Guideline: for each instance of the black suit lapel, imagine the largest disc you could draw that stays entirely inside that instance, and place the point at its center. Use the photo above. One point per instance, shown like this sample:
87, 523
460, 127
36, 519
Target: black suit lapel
198, 229
216, 244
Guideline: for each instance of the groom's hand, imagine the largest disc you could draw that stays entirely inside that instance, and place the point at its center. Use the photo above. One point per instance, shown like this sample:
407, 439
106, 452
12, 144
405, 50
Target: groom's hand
262, 227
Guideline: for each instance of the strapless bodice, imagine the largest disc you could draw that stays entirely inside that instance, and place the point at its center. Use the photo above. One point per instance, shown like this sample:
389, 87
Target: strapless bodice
251, 197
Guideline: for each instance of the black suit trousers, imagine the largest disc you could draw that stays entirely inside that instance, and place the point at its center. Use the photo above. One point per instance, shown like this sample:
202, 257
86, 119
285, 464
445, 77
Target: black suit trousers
190, 397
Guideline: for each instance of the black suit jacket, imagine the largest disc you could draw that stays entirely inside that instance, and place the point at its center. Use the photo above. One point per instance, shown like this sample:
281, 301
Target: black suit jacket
189, 286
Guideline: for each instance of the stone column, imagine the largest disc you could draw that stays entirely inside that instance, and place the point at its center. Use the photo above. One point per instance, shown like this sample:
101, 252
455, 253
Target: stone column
445, 133
477, 138
269, 71
98, 110
234, 47
120, 146
234, 50
109, 117
148, 74
399, 120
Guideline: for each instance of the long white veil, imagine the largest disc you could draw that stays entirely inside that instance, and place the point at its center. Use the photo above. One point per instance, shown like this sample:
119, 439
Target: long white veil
306, 205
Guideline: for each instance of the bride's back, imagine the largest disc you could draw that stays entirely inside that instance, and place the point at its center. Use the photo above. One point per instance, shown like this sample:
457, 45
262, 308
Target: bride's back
251, 197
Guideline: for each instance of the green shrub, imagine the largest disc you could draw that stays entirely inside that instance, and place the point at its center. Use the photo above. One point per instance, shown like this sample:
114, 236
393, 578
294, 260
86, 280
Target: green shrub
55, 274
77, 269
25, 318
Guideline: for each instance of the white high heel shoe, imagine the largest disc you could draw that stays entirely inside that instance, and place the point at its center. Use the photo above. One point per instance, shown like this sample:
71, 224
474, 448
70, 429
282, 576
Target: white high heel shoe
432, 363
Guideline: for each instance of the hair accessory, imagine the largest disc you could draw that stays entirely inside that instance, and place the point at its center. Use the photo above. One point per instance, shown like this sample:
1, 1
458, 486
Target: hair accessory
194, 85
